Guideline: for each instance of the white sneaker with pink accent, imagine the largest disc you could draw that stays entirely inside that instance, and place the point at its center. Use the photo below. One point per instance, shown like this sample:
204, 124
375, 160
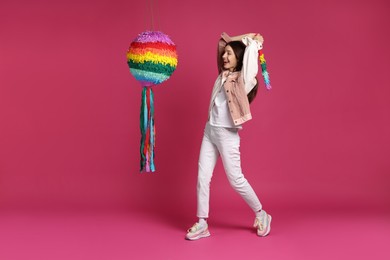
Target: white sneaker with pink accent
263, 224
198, 231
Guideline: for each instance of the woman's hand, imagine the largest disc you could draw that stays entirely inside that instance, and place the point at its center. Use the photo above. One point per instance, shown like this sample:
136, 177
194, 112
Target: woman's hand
259, 38
226, 37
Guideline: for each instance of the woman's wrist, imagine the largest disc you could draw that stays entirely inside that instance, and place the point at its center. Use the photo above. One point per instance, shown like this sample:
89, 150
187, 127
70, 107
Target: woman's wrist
254, 36
258, 38
226, 37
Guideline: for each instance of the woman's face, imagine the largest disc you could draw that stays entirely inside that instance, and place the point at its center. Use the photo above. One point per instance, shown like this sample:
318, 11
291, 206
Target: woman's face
229, 59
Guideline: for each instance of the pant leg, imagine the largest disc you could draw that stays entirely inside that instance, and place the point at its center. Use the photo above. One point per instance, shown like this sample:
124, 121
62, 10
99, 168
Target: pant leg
207, 159
228, 143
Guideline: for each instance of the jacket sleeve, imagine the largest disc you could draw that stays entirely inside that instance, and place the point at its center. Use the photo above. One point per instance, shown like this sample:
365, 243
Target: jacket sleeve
250, 64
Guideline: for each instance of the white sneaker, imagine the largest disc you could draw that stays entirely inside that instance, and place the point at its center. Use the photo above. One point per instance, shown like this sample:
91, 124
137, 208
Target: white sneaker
263, 224
197, 231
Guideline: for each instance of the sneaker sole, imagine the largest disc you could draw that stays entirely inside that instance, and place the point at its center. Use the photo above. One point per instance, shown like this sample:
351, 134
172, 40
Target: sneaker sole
268, 228
201, 235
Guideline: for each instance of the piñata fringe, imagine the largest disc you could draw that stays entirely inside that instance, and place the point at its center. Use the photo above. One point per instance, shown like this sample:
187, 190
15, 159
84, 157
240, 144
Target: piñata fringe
147, 131
264, 71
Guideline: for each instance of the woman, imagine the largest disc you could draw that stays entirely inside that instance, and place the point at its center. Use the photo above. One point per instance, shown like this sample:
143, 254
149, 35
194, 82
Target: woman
234, 89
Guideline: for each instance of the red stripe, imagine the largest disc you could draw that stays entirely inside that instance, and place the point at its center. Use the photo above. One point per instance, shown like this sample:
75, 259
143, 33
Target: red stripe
156, 45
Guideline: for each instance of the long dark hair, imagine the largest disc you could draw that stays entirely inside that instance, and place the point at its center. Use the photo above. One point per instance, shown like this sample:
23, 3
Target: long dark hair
239, 50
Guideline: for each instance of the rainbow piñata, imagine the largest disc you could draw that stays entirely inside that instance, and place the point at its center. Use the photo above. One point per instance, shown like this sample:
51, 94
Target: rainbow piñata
152, 58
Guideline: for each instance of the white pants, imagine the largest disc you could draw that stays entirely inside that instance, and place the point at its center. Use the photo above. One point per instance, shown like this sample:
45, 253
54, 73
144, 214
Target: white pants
225, 142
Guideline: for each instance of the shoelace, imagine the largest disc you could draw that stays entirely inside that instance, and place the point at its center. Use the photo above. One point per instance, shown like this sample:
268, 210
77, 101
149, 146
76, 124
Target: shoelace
194, 228
259, 224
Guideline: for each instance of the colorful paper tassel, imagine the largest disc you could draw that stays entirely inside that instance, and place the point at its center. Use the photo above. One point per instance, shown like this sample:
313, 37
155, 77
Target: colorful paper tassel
148, 131
264, 71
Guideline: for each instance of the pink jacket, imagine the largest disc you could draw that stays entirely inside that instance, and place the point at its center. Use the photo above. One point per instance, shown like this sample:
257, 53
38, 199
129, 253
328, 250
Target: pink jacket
236, 95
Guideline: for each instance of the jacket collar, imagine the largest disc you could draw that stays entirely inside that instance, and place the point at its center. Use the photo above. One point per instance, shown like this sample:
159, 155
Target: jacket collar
231, 75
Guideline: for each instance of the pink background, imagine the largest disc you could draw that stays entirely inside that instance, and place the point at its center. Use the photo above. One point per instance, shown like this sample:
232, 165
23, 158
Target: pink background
69, 107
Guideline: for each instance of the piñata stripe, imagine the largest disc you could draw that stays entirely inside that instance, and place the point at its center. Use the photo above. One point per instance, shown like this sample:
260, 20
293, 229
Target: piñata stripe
152, 45
152, 67
155, 58
147, 76
150, 36
161, 52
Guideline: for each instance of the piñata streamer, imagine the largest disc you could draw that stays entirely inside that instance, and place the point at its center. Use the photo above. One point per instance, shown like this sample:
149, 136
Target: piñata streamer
147, 130
264, 71
152, 58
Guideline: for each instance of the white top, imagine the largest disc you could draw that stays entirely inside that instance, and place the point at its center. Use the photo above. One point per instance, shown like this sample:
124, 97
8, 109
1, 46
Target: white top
220, 115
